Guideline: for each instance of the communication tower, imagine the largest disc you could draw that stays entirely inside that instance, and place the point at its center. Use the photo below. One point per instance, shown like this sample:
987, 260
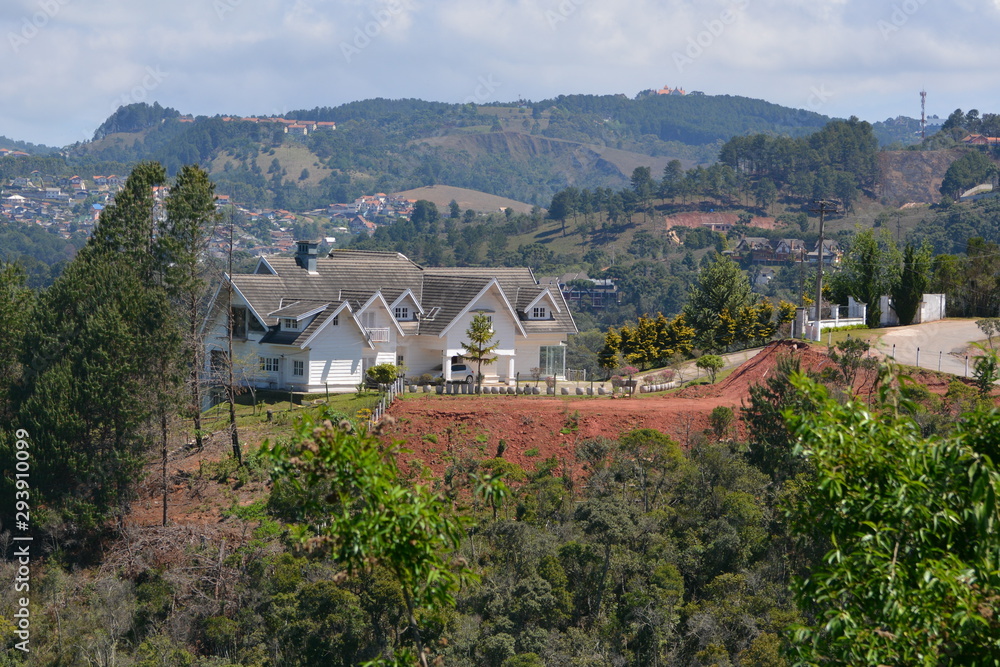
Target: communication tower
923, 117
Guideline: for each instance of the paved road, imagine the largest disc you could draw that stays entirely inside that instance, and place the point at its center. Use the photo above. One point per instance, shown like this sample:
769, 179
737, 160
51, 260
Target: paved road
943, 342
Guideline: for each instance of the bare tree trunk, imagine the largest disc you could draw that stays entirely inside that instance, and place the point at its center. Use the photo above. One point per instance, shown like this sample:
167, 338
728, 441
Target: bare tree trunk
163, 434
195, 371
413, 625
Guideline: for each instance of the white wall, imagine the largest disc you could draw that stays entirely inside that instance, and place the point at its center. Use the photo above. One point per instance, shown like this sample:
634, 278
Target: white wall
335, 355
529, 351
931, 309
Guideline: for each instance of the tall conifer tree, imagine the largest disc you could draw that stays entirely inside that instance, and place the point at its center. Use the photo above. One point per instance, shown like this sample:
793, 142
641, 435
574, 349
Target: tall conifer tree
94, 343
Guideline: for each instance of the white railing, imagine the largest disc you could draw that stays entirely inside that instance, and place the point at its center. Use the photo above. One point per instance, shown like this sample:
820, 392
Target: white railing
379, 335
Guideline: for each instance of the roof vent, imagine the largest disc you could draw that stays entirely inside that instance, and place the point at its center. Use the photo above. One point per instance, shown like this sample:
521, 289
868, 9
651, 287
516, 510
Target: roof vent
305, 255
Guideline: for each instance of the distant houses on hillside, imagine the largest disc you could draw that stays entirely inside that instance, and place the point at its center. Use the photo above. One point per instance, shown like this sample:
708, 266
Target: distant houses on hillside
291, 126
980, 140
759, 250
584, 292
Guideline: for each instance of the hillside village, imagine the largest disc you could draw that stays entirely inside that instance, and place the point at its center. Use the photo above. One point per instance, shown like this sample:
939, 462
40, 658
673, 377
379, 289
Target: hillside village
68, 206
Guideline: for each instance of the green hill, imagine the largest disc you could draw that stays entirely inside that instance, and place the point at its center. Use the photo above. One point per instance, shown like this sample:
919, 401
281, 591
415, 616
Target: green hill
526, 151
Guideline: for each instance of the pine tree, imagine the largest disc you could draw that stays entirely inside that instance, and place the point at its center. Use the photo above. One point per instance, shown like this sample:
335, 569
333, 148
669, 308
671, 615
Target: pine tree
191, 217
481, 345
15, 304
95, 344
909, 291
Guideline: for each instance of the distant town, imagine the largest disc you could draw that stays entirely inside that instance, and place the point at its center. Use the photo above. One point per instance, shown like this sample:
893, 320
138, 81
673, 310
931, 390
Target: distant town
68, 206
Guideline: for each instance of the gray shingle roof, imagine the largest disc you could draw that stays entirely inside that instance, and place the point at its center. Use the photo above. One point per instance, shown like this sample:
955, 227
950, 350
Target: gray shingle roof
354, 276
449, 293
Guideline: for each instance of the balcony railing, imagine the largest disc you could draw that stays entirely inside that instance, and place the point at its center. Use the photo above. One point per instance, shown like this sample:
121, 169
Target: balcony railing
379, 335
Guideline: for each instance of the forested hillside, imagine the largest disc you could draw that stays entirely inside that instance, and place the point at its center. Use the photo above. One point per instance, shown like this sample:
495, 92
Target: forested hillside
386, 145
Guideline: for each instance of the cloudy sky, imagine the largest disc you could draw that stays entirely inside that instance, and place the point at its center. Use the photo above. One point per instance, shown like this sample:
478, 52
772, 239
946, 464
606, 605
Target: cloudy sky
67, 64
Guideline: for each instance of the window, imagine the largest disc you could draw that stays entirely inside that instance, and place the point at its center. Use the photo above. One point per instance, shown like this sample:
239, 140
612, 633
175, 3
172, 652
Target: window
269, 364
238, 321
402, 313
368, 319
552, 360
291, 323
298, 367
336, 320
538, 313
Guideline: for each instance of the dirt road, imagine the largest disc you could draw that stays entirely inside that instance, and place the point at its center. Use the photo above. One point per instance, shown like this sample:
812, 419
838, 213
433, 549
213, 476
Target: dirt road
942, 343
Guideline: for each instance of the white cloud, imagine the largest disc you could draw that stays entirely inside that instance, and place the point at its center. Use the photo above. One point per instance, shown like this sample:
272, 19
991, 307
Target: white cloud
65, 66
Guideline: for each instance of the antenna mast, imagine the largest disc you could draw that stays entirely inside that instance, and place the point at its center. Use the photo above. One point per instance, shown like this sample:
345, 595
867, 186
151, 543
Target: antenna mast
923, 118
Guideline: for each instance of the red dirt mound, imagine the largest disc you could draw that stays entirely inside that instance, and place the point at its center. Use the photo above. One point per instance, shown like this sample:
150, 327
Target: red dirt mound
757, 370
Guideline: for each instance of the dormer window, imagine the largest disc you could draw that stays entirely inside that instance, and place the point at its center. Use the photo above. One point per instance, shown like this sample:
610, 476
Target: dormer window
401, 313
539, 313
291, 324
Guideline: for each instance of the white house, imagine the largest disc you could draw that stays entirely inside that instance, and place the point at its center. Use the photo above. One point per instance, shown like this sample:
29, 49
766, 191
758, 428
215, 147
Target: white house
307, 323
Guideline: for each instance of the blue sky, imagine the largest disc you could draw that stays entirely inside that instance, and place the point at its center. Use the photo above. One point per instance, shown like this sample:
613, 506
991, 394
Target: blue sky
67, 64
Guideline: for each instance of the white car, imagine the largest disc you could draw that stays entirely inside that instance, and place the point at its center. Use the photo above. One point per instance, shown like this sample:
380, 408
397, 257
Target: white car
461, 373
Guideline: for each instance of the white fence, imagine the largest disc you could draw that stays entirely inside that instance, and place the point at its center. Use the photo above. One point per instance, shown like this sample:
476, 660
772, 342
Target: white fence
390, 395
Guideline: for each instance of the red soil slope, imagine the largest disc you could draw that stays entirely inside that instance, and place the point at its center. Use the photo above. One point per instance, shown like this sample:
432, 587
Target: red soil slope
437, 429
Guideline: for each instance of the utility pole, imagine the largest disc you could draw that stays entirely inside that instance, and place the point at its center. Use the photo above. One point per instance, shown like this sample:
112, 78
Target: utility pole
823, 206
231, 389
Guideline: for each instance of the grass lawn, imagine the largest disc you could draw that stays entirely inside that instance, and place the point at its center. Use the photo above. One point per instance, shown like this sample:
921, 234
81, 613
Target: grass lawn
871, 335
283, 412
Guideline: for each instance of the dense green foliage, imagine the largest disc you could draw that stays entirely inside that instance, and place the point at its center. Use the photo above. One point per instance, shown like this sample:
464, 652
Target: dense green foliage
652, 342
40, 254
94, 359
366, 517
839, 161
914, 279
692, 119
911, 574
135, 118
972, 169
870, 270
724, 311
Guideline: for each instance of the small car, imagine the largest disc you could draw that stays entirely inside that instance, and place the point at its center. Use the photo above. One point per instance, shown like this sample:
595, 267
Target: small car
461, 373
